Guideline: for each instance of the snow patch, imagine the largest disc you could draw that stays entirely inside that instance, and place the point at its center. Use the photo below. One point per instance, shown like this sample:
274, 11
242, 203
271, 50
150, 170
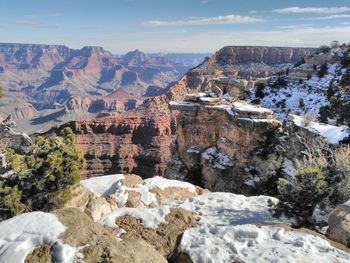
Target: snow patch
103, 186
163, 183
334, 134
250, 243
20, 235
216, 158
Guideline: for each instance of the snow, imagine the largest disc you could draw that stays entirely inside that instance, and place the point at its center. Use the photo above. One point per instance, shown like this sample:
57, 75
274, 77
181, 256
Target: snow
64, 253
112, 186
347, 203
184, 104
242, 106
103, 185
22, 234
288, 168
227, 208
312, 92
251, 243
211, 209
216, 158
150, 217
334, 134
163, 183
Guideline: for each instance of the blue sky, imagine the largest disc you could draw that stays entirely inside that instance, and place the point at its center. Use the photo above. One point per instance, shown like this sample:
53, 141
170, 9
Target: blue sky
174, 26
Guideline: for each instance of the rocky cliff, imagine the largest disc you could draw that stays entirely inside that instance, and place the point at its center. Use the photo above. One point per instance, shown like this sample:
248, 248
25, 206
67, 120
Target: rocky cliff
223, 146
135, 141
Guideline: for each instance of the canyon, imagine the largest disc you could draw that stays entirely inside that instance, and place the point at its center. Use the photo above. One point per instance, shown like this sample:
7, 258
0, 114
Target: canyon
110, 143
50, 77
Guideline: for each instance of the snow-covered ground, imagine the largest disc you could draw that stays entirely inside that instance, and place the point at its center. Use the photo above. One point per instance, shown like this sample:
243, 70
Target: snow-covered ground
210, 209
251, 244
334, 134
20, 235
310, 94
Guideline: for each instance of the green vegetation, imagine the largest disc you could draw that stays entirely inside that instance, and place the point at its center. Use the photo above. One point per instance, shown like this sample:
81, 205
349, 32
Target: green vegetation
323, 70
42, 178
2, 92
301, 196
259, 92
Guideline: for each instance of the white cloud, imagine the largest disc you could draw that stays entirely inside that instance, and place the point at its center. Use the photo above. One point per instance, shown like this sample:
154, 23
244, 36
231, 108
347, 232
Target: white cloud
296, 26
213, 41
328, 17
312, 10
219, 20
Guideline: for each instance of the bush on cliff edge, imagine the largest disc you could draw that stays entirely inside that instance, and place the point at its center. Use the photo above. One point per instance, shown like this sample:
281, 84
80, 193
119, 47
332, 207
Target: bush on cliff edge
42, 178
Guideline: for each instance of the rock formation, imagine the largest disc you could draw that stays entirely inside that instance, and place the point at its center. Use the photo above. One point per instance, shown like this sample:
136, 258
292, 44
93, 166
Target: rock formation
216, 143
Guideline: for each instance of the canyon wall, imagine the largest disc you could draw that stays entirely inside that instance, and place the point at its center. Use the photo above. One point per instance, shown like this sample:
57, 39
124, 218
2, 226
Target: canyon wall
224, 147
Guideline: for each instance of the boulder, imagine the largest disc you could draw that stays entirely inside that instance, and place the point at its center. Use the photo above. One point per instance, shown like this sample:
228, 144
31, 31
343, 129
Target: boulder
339, 225
163, 238
99, 244
89, 203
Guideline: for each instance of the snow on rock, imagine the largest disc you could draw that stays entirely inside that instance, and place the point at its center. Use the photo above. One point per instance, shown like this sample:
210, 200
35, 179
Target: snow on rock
216, 158
64, 253
347, 203
211, 209
151, 217
250, 243
163, 183
112, 186
334, 134
245, 107
20, 235
103, 186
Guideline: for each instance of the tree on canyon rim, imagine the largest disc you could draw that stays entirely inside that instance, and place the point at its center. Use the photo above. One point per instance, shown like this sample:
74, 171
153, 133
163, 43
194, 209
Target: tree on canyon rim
2, 93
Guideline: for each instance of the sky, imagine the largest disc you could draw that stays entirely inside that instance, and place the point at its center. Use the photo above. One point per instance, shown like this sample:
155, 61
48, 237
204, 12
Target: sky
183, 26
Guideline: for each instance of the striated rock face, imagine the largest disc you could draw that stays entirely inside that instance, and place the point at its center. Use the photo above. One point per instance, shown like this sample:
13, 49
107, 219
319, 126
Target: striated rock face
118, 100
267, 55
240, 62
27, 56
133, 142
221, 146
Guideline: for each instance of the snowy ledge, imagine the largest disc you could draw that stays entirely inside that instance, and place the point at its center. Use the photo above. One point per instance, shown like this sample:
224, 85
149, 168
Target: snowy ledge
334, 134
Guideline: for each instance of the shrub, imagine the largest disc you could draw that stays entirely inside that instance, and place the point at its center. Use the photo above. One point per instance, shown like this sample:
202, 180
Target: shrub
235, 93
10, 201
341, 170
323, 49
259, 92
44, 174
301, 196
323, 70
2, 93
302, 61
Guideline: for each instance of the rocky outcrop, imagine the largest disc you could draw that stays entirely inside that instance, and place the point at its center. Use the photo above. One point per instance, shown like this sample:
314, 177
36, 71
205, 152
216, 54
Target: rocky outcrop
92, 205
222, 146
339, 225
165, 237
